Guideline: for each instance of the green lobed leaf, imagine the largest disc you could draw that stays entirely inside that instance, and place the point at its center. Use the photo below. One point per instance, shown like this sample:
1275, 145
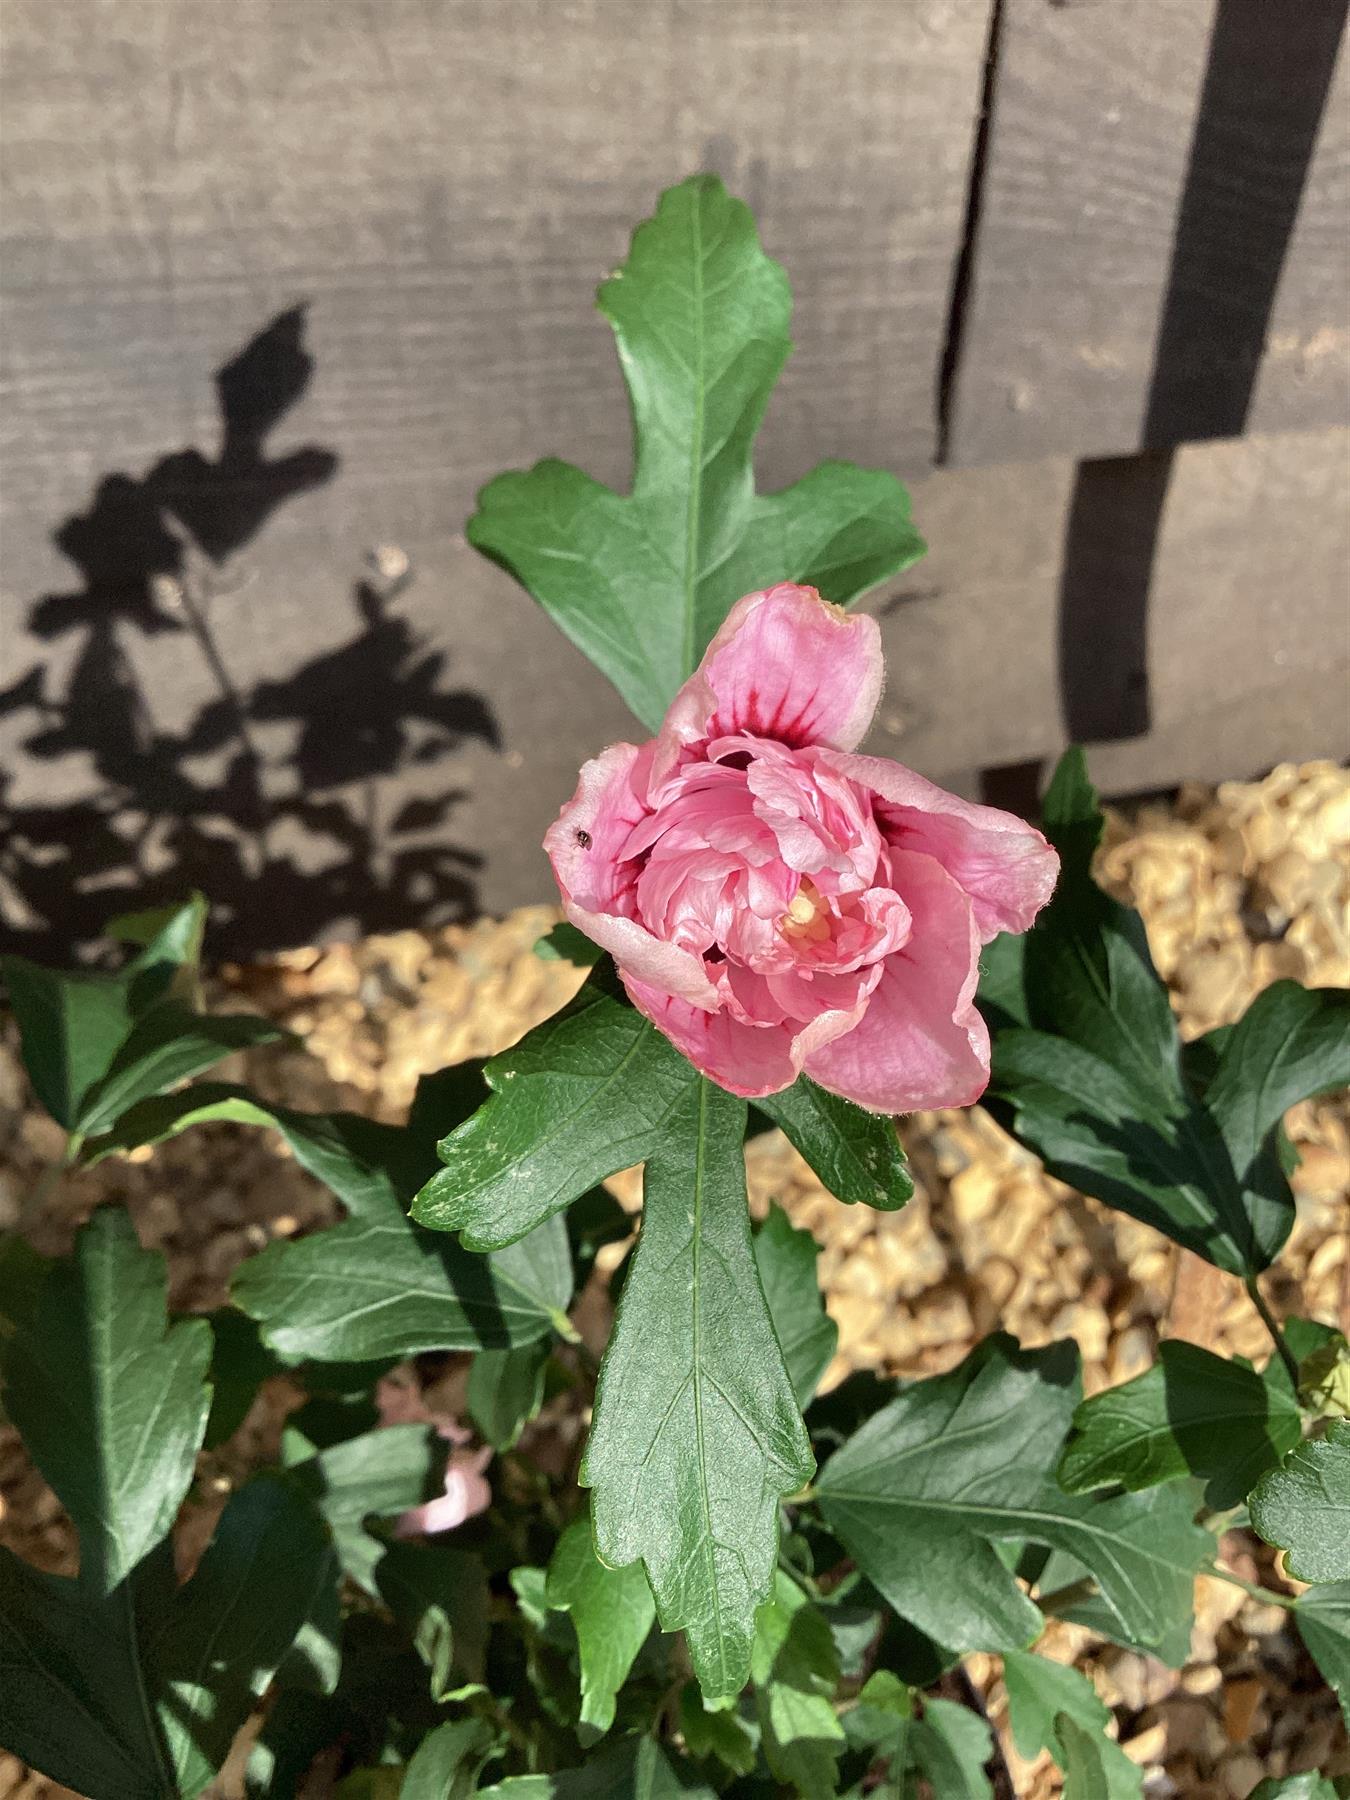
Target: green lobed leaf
93, 1043
447, 1762
1303, 1507
718, 1733
1192, 1413
786, 1259
612, 1611
640, 582
856, 1154
137, 1694
234, 1621
111, 1400
1088, 1068
506, 1390
923, 1493
375, 1285
950, 1745
881, 1722
697, 1433
1094, 1767
1323, 1619
377, 1475
1042, 1696
795, 1669
583, 1095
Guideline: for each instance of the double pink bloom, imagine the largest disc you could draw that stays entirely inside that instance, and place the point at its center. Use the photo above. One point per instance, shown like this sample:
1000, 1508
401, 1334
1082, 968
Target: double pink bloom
776, 904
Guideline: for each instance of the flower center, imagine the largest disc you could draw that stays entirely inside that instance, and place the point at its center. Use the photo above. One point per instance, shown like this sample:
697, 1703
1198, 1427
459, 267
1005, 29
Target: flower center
807, 916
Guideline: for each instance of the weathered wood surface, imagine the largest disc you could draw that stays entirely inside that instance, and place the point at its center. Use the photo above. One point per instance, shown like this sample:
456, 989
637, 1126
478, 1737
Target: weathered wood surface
443, 183
1161, 247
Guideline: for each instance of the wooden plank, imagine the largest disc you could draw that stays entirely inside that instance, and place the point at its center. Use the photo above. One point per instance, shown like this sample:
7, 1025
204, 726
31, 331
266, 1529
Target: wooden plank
445, 182
400, 790
1160, 252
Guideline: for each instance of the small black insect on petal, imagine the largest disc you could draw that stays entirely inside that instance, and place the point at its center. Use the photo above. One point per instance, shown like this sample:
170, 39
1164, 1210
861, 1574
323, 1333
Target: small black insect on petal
584, 839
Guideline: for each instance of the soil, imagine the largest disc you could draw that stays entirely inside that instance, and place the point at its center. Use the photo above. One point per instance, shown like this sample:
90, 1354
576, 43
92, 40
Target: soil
1238, 886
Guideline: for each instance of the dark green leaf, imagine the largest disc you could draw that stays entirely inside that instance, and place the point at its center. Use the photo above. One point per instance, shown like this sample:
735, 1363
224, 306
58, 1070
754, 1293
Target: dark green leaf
795, 1670
232, 1624
70, 1027
720, 1734
696, 1432
951, 1745
1306, 1785
786, 1260
137, 1694
583, 1095
240, 1363
641, 582
110, 1399
956, 1464
168, 1044
447, 1762
635, 1768
1042, 1695
564, 943
1303, 1507
1192, 1413
439, 1595
375, 1285
69, 1675
1094, 1767
1323, 1619
881, 1723
612, 1611
377, 1475
1088, 1067
506, 1390
857, 1155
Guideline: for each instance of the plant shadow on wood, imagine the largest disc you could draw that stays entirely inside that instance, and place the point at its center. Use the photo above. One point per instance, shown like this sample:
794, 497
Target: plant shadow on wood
1267, 81
297, 787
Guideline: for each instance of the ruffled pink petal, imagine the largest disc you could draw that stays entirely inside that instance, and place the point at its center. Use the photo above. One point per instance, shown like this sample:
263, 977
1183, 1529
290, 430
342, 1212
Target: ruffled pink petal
749, 1060
1004, 864
920, 1043
786, 665
583, 845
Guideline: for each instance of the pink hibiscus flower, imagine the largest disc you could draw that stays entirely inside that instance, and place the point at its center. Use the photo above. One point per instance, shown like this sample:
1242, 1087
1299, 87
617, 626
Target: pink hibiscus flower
775, 903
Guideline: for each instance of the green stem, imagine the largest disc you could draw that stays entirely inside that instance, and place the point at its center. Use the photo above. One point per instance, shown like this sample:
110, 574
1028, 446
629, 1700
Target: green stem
1271, 1324
1265, 1594
1061, 1599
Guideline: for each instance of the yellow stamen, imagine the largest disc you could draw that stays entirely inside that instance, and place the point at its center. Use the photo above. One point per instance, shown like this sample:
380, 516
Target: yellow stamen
806, 915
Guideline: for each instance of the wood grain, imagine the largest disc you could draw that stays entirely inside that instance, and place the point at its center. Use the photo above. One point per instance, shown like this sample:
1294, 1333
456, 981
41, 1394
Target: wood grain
1144, 167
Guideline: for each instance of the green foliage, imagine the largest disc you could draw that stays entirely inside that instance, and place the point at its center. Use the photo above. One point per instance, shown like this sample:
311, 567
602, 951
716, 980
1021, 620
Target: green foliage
696, 1432
856, 1154
795, 1668
1304, 1507
951, 1746
786, 1260
1307, 1785
506, 1390
953, 1465
636, 1768
641, 582
718, 1733
1088, 1067
375, 1285
138, 1693
1192, 1413
585, 1094
1323, 1618
94, 1044
111, 1400
1053, 1707
612, 1611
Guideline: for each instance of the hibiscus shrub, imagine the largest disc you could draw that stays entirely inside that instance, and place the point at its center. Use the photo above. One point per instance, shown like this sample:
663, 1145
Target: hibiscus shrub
744, 1587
